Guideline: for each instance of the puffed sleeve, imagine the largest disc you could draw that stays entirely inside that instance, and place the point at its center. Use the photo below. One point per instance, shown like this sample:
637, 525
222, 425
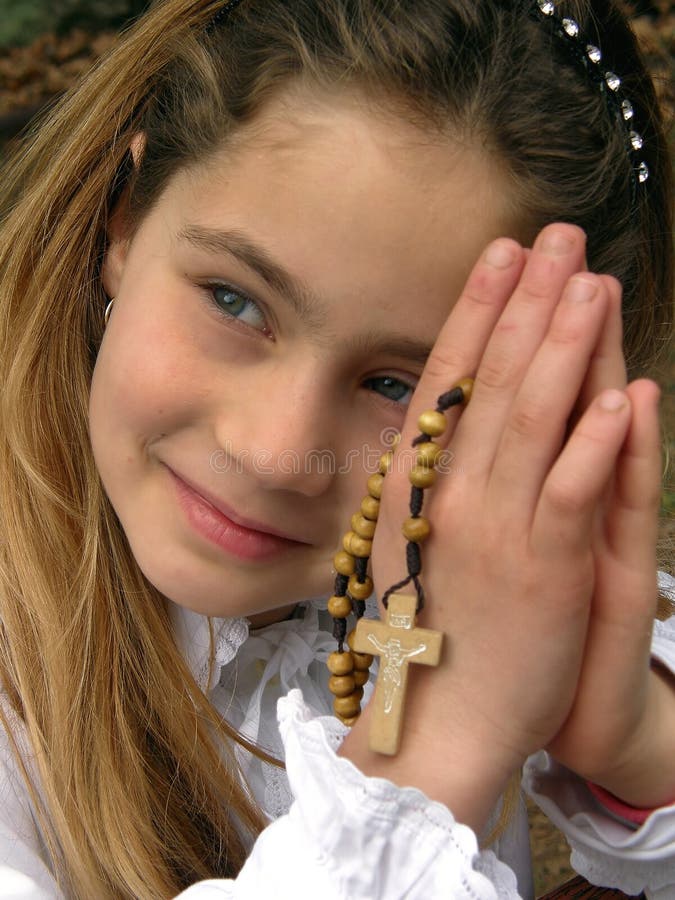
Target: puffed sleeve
346, 836
350, 837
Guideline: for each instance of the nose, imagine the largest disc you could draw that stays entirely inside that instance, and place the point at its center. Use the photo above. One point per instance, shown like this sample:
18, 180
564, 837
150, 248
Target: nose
281, 430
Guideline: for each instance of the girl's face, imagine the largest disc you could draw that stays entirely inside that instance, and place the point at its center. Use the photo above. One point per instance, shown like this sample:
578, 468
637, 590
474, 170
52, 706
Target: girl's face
272, 314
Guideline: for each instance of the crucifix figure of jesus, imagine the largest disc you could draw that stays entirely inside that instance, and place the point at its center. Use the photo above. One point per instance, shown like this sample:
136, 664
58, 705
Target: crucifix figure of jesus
397, 642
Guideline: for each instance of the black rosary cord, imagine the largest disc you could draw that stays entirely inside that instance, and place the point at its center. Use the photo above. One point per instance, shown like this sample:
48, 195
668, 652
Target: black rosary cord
392, 590
340, 633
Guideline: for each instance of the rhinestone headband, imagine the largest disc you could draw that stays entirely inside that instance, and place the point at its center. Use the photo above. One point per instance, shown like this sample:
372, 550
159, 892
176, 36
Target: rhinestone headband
223, 12
586, 54
589, 56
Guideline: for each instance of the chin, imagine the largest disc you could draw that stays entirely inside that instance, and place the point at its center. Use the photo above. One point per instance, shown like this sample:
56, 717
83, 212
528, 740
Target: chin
205, 601
210, 597
208, 585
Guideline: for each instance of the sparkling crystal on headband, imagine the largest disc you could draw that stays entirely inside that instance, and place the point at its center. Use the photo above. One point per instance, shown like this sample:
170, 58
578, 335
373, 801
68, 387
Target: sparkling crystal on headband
589, 56
613, 81
593, 53
635, 140
570, 27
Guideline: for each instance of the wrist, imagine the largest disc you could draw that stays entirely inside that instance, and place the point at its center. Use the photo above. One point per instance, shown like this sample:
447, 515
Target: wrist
450, 761
644, 776
632, 815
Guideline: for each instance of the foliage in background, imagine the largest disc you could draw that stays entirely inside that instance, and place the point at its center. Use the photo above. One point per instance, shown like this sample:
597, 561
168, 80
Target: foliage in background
23, 20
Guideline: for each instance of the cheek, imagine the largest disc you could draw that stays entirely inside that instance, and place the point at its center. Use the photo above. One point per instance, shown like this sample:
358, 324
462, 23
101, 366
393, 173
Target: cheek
358, 463
147, 381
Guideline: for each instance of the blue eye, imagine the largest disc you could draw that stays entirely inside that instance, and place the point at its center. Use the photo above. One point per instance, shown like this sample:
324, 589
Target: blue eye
391, 388
236, 305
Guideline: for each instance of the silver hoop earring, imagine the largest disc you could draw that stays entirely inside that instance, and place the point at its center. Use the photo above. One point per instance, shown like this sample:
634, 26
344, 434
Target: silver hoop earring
108, 310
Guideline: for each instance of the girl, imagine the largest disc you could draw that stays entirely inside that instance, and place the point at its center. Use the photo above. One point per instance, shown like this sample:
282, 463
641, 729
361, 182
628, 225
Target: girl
304, 222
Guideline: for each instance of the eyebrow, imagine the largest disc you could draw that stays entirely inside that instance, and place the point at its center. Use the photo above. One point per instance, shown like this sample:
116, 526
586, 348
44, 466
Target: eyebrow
256, 258
304, 302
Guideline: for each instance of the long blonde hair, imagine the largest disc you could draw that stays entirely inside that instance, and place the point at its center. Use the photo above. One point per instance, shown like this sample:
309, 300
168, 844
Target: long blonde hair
141, 794
141, 799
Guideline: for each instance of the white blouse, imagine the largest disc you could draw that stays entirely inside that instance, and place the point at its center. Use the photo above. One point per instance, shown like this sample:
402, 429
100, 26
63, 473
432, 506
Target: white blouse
336, 834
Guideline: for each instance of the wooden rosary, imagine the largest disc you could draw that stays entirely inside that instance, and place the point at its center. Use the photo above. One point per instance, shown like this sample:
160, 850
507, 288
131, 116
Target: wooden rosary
397, 641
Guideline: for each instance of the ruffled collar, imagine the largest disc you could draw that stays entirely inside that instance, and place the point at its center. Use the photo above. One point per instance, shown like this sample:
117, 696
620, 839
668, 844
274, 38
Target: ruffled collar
207, 644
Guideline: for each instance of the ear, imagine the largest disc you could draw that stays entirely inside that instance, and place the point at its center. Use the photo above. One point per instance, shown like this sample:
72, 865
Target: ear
118, 231
116, 253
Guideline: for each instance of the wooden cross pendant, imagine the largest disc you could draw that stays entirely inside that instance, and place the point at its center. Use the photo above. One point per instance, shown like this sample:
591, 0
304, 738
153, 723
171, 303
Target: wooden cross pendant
397, 642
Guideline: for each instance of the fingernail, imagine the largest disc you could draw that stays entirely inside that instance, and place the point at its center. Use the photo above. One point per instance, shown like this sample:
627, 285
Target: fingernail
556, 242
499, 255
581, 290
612, 401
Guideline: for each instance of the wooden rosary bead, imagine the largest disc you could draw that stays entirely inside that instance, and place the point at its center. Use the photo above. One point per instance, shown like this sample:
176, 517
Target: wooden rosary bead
385, 462
339, 607
422, 477
344, 563
340, 663
362, 526
348, 721
341, 685
428, 453
375, 485
432, 422
347, 542
360, 677
416, 529
370, 507
359, 546
361, 661
358, 692
466, 384
358, 590
347, 706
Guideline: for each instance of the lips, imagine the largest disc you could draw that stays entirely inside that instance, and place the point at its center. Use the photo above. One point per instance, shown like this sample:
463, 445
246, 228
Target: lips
233, 533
